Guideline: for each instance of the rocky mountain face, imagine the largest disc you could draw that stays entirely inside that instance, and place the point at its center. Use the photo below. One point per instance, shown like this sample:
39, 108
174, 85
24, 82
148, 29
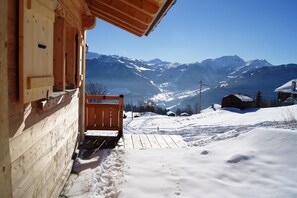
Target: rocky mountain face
174, 84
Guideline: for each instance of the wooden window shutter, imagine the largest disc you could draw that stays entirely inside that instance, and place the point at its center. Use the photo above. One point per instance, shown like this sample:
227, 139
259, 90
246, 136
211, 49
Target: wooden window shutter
36, 22
71, 56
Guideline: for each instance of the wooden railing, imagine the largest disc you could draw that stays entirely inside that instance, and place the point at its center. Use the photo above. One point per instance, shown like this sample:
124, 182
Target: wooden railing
104, 112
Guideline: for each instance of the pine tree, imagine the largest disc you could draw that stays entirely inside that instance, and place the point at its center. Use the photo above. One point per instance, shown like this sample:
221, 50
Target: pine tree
178, 111
258, 101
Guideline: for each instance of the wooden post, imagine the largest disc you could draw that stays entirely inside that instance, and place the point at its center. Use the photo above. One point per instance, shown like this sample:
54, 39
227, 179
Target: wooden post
82, 92
121, 109
5, 162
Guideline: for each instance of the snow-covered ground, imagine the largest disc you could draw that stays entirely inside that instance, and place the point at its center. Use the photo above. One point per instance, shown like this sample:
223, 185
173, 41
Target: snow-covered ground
231, 153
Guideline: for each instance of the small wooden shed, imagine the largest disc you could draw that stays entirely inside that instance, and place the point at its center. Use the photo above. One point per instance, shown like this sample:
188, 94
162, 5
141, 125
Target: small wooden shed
239, 101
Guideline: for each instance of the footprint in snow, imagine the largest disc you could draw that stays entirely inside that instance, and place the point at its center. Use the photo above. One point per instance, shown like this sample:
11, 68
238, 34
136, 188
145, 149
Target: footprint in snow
237, 158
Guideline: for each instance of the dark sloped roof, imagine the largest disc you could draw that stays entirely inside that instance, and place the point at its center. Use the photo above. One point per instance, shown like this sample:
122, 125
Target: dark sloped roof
242, 97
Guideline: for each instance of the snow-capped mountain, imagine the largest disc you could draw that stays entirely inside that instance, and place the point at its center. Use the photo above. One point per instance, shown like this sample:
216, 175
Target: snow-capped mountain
173, 84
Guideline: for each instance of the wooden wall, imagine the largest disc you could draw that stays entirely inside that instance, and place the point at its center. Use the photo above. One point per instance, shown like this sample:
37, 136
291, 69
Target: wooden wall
5, 166
41, 142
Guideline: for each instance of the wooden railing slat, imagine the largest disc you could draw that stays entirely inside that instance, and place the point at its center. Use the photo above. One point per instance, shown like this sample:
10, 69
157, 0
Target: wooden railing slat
98, 117
91, 117
115, 117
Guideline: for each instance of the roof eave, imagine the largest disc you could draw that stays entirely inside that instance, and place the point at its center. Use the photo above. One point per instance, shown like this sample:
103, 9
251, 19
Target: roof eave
160, 16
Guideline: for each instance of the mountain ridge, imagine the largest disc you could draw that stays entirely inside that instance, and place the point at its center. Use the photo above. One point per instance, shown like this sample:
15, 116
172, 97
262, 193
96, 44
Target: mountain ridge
173, 84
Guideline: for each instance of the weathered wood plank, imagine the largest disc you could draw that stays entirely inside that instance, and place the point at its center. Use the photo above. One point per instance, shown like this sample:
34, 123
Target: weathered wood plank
128, 141
169, 141
114, 117
145, 141
106, 119
161, 141
53, 154
136, 142
153, 141
5, 176
21, 143
24, 163
179, 141
91, 117
50, 175
99, 117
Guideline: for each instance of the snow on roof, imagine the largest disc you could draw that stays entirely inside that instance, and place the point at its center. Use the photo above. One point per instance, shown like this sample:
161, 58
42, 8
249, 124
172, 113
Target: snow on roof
244, 98
287, 88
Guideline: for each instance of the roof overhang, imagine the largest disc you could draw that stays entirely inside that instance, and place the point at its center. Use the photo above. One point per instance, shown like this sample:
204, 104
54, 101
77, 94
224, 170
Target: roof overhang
138, 17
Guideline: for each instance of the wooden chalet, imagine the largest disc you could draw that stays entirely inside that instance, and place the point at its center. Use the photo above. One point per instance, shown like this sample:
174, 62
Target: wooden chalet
239, 101
287, 93
43, 109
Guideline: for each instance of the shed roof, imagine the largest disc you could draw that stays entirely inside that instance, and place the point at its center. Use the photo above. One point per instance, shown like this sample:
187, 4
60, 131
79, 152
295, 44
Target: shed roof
242, 97
287, 87
138, 17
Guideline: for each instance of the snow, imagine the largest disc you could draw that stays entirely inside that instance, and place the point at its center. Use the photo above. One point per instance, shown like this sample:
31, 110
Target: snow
287, 87
244, 97
138, 68
231, 153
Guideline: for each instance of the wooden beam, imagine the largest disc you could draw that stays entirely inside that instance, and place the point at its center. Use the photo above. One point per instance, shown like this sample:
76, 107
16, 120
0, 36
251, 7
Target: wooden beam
5, 162
118, 23
102, 97
88, 22
71, 14
161, 14
126, 8
120, 14
105, 10
147, 6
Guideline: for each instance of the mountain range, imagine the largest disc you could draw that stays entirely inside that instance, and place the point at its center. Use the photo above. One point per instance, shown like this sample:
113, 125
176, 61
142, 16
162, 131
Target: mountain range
176, 85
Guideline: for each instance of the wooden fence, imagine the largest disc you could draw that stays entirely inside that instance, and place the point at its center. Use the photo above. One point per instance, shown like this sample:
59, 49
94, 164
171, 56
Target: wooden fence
104, 112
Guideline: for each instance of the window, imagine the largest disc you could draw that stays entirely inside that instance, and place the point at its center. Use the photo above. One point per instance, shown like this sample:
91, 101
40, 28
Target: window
67, 56
51, 51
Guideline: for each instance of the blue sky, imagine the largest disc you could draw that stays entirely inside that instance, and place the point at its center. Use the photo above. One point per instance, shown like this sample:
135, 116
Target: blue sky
194, 30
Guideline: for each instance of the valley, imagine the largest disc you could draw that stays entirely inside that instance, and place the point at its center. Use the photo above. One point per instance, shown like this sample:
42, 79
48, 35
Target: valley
173, 85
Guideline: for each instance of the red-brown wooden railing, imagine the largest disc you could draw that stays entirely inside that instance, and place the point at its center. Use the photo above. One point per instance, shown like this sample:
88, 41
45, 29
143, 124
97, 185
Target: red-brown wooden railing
101, 115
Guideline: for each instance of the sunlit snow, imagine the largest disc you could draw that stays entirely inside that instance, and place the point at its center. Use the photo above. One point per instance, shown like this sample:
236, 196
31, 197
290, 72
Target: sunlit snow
230, 153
